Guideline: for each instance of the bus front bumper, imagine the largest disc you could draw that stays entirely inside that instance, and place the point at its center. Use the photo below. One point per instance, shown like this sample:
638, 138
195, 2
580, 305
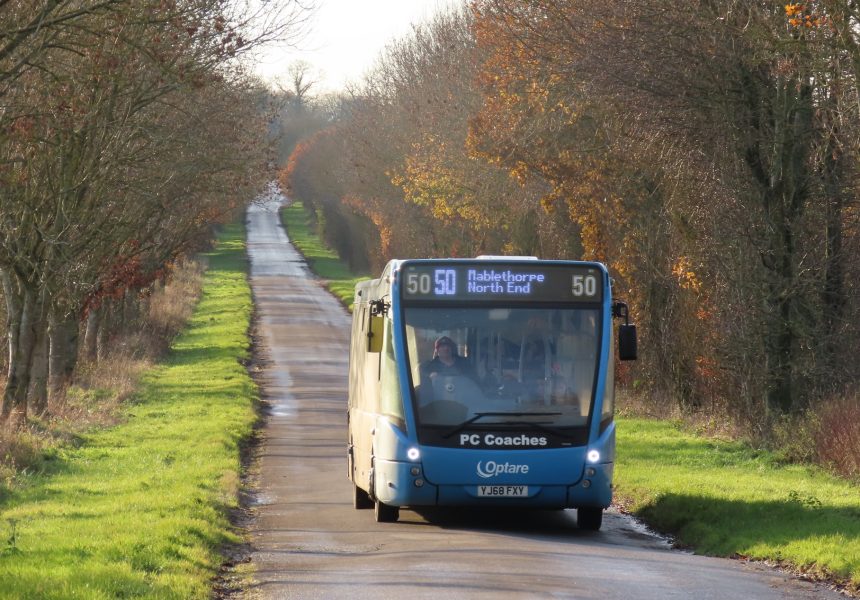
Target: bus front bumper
398, 485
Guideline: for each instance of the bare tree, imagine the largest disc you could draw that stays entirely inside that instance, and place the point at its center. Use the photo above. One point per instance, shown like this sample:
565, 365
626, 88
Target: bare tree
113, 172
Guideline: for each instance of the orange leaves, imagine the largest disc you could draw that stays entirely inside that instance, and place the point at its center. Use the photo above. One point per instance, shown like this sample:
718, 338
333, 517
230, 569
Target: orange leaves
707, 368
687, 278
800, 16
793, 9
433, 177
126, 272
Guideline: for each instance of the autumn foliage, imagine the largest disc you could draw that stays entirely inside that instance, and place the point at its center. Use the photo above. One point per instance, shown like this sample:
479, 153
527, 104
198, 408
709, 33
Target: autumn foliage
707, 154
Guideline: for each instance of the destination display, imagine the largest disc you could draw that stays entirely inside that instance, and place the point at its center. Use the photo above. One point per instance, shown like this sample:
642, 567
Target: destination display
525, 282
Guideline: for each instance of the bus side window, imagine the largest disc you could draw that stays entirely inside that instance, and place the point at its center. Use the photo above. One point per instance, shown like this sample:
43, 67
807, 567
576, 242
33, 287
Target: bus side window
375, 330
391, 400
358, 358
353, 357
367, 368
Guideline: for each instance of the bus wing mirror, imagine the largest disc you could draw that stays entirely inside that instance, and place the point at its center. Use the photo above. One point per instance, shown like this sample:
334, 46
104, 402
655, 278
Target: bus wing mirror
374, 334
627, 342
626, 332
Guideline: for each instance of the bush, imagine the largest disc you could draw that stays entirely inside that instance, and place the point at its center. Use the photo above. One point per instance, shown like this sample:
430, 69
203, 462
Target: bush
838, 437
794, 437
171, 305
20, 450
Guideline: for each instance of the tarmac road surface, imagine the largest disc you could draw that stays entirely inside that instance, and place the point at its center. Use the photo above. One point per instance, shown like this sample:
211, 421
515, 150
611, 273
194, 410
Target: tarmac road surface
308, 541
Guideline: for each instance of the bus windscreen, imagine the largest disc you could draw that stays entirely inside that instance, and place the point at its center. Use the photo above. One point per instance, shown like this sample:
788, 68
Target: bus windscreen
514, 377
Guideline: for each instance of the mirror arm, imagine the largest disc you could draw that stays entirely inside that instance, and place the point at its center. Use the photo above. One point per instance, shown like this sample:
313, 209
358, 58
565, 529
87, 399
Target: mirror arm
379, 307
619, 309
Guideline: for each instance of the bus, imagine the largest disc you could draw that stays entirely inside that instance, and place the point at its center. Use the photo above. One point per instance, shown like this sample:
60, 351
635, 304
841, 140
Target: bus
484, 382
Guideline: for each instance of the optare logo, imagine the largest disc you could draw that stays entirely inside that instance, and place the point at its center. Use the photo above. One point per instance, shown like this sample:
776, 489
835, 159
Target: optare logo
492, 468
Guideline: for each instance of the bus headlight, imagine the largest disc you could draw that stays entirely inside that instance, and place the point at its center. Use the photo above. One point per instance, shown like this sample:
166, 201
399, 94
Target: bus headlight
413, 454
593, 456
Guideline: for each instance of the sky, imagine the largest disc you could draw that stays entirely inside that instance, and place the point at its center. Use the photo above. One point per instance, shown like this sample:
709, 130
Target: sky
344, 38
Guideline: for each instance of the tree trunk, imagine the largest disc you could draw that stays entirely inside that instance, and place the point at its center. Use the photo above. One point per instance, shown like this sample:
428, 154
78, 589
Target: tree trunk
778, 167
38, 396
13, 327
103, 338
23, 312
132, 310
64, 338
92, 334
833, 295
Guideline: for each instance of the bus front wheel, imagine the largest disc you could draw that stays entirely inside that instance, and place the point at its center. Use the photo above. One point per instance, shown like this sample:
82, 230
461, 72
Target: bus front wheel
589, 518
385, 513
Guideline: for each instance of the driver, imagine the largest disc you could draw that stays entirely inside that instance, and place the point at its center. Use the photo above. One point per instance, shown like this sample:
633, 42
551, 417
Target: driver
446, 361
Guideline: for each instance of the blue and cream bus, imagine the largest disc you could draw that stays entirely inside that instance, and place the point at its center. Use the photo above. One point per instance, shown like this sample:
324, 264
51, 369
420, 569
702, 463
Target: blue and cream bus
484, 382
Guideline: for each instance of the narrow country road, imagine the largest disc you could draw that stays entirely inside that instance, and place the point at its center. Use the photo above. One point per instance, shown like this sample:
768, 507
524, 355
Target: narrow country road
308, 541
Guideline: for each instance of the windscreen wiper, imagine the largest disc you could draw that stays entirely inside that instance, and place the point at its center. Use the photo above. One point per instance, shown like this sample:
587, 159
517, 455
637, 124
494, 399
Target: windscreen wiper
540, 427
481, 415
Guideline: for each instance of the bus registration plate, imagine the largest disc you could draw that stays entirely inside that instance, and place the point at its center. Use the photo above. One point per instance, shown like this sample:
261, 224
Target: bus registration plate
503, 491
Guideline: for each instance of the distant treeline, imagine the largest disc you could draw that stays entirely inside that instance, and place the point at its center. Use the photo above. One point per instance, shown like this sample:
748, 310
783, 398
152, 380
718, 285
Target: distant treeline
707, 152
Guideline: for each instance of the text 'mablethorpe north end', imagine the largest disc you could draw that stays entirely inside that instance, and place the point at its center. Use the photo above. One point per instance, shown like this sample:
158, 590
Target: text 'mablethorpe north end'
490, 281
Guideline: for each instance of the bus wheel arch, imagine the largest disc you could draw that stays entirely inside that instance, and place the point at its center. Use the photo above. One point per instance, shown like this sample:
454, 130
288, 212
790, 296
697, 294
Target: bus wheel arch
383, 513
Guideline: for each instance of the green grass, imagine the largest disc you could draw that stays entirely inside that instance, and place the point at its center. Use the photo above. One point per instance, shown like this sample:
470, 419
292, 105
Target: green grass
321, 259
726, 499
140, 509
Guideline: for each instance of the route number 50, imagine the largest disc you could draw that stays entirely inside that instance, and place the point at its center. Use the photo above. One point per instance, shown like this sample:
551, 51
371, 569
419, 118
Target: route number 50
446, 282
584, 285
418, 283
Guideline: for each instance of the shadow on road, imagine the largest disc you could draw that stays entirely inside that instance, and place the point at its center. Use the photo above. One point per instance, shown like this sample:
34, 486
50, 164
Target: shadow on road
560, 524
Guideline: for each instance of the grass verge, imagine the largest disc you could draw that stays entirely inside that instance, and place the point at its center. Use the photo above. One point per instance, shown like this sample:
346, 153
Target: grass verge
140, 509
322, 260
726, 499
